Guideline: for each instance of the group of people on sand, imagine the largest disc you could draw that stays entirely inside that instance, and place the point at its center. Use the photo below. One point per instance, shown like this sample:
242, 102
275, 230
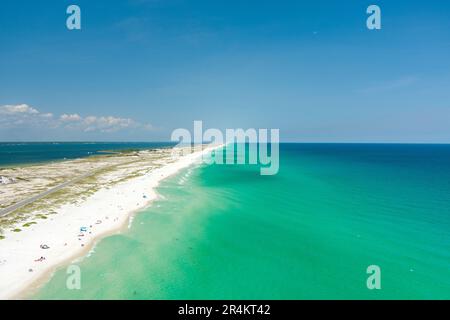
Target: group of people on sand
42, 258
83, 230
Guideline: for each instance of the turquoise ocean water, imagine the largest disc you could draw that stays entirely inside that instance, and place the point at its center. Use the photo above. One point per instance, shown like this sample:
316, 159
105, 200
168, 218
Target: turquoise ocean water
226, 232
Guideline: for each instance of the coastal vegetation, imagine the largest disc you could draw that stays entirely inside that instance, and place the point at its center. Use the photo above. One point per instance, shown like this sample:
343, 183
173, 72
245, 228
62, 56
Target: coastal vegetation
94, 173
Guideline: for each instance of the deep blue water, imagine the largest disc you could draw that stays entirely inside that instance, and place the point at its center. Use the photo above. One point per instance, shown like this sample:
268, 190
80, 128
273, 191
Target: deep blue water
12, 153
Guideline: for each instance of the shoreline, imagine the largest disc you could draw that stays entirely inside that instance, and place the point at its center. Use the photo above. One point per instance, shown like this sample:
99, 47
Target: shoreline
108, 211
28, 292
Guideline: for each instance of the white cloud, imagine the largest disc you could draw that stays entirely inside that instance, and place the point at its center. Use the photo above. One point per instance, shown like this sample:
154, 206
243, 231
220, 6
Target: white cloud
24, 115
17, 109
46, 115
70, 117
108, 124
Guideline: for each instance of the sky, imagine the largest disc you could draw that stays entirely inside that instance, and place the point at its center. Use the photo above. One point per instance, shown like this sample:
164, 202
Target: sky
138, 69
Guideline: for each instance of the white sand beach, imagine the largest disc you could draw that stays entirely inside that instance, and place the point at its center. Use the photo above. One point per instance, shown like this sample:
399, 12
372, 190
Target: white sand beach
28, 257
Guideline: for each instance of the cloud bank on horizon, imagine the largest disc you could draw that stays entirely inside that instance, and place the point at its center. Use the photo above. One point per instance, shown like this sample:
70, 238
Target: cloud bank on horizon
21, 116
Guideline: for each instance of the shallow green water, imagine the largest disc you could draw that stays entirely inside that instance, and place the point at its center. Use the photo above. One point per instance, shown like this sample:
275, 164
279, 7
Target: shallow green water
226, 232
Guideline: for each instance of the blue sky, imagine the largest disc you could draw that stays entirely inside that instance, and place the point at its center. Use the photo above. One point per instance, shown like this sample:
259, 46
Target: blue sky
140, 68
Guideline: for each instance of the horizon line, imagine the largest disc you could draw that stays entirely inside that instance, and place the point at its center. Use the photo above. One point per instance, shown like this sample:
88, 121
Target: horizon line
281, 142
